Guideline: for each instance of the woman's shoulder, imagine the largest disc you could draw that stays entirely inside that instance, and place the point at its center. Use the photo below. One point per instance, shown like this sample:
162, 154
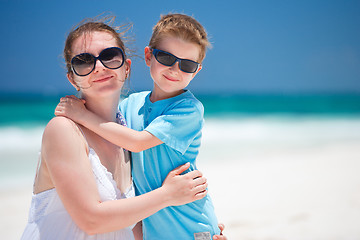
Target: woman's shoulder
61, 129
60, 124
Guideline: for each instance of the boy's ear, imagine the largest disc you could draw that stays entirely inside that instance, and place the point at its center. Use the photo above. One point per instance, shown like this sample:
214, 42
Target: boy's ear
148, 53
198, 70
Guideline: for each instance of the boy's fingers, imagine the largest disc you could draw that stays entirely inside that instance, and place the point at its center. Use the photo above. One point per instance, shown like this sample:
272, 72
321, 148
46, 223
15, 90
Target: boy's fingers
221, 227
76, 98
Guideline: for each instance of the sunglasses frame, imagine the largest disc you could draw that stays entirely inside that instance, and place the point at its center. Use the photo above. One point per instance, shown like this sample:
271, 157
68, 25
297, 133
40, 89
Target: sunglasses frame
95, 60
156, 51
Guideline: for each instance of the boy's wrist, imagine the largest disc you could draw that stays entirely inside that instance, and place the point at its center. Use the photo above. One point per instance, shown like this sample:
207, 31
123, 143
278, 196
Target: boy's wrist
86, 114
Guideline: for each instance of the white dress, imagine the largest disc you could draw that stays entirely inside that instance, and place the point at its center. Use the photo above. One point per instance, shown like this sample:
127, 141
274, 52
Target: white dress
49, 220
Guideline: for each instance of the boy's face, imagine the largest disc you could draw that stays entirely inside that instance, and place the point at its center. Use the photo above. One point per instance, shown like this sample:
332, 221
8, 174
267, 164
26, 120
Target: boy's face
170, 81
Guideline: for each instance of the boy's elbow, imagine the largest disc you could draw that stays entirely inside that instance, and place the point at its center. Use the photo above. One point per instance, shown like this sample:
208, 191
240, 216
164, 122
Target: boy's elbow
136, 148
143, 141
137, 145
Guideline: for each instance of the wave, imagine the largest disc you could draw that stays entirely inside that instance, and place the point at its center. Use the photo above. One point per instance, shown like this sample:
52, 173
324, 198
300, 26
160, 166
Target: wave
227, 138
19, 138
263, 138
19, 151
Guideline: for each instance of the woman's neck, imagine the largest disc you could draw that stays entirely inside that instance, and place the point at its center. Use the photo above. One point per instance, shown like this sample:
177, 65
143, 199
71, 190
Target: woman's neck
103, 107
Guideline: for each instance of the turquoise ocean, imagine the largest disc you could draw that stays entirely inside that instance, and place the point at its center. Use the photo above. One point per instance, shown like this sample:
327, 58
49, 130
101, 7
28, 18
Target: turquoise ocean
23, 118
32, 110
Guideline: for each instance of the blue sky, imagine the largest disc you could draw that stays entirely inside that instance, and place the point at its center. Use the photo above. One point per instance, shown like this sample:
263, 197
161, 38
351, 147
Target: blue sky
267, 46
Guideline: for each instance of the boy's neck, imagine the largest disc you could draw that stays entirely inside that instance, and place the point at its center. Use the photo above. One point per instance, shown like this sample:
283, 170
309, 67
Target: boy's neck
156, 96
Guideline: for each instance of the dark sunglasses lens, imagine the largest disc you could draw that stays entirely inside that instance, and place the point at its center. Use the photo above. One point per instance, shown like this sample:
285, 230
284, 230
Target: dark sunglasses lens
112, 58
83, 64
165, 58
188, 66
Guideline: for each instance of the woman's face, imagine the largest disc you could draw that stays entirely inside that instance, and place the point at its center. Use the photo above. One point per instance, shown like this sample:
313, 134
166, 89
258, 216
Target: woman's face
102, 80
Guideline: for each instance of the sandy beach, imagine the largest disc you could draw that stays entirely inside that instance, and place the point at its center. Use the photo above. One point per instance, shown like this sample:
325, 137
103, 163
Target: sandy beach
269, 181
312, 197
290, 189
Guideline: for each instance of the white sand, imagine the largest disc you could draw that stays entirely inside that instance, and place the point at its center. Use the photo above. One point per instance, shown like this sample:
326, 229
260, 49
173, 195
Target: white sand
14, 209
307, 196
267, 183
308, 191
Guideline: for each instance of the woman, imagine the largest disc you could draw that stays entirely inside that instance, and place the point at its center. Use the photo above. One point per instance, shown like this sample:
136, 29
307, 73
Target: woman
79, 171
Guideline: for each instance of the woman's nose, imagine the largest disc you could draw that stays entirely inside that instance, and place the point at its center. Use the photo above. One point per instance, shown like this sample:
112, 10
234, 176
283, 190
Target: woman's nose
98, 65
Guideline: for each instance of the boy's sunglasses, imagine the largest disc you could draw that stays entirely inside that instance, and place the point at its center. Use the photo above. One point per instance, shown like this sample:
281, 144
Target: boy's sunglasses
84, 63
168, 59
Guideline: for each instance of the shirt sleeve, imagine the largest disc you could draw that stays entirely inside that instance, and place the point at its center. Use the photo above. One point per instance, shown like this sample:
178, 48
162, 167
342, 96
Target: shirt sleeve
123, 105
178, 126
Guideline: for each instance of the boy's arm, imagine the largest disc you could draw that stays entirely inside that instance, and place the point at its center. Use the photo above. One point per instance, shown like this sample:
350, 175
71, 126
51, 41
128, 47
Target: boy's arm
132, 140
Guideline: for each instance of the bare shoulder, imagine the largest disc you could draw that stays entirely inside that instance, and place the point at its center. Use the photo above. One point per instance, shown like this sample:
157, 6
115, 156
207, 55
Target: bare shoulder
61, 133
60, 123
60, 126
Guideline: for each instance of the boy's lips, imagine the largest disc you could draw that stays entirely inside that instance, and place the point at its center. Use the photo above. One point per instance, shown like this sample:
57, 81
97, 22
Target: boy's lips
171, 79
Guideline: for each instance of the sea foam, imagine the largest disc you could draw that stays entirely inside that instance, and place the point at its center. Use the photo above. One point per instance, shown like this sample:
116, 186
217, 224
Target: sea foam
257, 137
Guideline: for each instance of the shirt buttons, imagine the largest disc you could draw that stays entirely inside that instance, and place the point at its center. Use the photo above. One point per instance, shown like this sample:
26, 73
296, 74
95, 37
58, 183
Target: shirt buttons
150, 109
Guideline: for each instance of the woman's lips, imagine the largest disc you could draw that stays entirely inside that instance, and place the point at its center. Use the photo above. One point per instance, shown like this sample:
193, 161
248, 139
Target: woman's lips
103, 79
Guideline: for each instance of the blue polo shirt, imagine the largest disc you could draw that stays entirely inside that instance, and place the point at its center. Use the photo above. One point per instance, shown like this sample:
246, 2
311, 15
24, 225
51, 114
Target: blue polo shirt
177, 122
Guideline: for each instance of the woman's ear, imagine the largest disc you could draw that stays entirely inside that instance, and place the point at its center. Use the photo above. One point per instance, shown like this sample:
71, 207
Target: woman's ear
147, 52
127, 67
70, 77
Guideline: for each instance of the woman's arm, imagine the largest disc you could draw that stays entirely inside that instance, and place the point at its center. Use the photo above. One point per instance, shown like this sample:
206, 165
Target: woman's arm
66, 157
132, 140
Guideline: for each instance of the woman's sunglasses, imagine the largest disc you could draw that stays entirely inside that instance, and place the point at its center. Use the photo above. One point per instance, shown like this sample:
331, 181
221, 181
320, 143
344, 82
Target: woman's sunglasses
168, 59
84, 63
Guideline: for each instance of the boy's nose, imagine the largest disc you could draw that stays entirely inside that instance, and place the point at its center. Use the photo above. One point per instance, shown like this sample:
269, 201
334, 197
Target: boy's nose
175, 66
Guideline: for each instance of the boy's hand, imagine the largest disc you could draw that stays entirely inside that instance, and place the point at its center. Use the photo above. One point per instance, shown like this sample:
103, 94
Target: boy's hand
71, 107
221, 236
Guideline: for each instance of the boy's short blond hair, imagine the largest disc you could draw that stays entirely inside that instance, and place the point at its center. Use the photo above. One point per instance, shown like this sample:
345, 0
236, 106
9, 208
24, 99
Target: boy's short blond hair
183, 27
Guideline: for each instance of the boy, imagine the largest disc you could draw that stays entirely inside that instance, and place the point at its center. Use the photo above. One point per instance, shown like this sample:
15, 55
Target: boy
165, 126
